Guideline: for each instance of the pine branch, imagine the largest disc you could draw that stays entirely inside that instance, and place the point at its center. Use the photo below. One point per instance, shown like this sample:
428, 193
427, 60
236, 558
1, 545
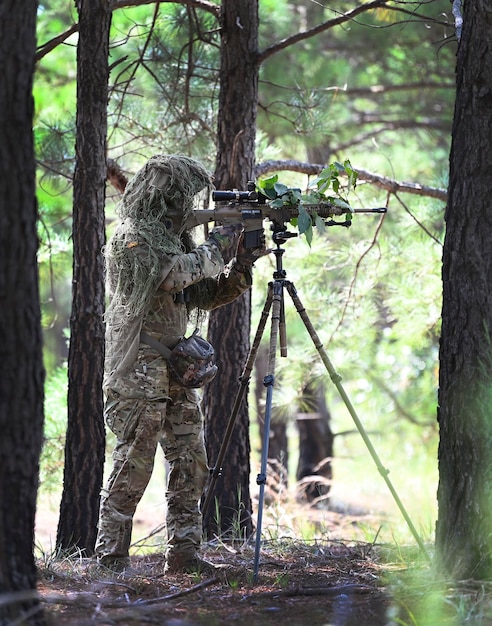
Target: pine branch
381, 89
53, 43
50, 45
196, 4
116, 176
320, 28
382, 182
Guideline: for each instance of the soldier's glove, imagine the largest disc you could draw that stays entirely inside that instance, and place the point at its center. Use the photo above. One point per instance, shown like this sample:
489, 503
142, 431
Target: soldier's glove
245, 257
225, 237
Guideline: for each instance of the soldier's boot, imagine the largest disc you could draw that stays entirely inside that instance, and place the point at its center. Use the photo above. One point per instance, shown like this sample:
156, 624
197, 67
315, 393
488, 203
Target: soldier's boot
188, 564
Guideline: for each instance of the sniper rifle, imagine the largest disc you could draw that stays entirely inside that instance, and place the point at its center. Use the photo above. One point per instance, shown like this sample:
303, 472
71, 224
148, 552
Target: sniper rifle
251, 207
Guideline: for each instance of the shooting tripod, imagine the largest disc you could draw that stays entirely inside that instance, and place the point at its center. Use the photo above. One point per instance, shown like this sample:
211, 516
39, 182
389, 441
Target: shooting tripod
275, 302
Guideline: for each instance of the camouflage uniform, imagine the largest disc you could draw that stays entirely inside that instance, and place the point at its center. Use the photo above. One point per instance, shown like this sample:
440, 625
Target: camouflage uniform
145, 407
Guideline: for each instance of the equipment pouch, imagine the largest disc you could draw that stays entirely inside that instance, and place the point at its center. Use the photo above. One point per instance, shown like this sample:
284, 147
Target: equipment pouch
192, 362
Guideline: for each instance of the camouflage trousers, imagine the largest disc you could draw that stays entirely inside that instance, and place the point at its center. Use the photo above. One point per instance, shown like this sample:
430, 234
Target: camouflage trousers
165, 414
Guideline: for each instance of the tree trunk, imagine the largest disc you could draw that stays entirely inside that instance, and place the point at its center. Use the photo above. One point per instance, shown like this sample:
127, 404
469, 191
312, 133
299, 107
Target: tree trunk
85, 443
21, 362
230, 507
229, 327
463, 537
314, 472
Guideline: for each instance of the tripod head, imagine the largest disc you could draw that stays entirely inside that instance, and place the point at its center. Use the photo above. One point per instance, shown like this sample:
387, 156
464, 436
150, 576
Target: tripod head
280, 235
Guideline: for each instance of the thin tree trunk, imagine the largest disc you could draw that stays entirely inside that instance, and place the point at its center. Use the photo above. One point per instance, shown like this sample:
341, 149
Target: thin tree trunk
230, 508
85, 443
229, 326
314, 470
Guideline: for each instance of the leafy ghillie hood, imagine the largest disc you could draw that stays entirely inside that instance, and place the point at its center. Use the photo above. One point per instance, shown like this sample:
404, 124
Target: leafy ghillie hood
152, 213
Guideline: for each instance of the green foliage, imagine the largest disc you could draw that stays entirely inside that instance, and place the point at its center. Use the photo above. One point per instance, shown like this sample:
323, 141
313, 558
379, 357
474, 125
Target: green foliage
55, 265
348, 87
420, 597
163, 89
54, 431
54, 85
54, 145
280, 195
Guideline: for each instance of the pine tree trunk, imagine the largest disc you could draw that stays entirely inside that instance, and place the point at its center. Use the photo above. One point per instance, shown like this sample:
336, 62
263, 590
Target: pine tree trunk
314, 470
21, 362
463, 537
231, 495
85, 443
229, 327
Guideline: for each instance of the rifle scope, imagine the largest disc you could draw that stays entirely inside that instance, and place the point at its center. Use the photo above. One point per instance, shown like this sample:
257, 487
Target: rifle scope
235, 196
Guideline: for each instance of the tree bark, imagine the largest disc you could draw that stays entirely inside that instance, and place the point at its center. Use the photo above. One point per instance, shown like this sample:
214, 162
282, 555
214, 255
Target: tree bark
314, 471
21, 362
229, 327
463, 537
230, 508
85, 443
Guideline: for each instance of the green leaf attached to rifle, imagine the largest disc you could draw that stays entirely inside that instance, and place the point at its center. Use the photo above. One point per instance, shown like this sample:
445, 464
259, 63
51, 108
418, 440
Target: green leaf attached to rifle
267, 187
279, 195
304, 222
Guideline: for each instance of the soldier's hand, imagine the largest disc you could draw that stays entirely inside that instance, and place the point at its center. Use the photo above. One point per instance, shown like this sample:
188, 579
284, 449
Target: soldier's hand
245, 257
226, 237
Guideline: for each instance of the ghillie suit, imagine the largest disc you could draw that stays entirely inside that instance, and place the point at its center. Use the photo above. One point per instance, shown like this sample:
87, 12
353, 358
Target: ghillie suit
152, 228
156, 277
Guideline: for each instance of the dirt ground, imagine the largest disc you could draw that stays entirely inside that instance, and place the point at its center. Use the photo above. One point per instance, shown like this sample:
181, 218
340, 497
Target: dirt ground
296, 583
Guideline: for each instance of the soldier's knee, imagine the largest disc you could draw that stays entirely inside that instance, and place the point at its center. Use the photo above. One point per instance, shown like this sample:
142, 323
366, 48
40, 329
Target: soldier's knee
188, 473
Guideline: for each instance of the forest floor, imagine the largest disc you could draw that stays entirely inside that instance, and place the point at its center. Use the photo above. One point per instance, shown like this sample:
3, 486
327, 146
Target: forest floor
345, 565
298, 585
299, 582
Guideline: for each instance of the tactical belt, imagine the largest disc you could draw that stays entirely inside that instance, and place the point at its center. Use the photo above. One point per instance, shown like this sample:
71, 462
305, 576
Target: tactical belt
157, 345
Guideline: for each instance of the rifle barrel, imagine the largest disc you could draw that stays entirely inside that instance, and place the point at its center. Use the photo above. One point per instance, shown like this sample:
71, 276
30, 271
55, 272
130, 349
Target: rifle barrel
381, 209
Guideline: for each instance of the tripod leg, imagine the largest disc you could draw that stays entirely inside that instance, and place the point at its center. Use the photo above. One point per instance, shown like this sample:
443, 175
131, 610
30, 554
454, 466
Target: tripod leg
282, 328
268, 382
244, 381
336, 378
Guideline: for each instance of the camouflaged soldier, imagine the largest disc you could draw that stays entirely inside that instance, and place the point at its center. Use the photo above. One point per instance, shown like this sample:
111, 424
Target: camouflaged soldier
157, 278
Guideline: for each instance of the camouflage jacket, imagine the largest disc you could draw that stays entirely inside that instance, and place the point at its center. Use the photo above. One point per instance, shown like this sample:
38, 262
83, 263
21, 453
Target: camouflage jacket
198, 279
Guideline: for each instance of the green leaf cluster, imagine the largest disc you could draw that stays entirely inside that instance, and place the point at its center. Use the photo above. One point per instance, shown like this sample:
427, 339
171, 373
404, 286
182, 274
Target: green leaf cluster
280, 195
